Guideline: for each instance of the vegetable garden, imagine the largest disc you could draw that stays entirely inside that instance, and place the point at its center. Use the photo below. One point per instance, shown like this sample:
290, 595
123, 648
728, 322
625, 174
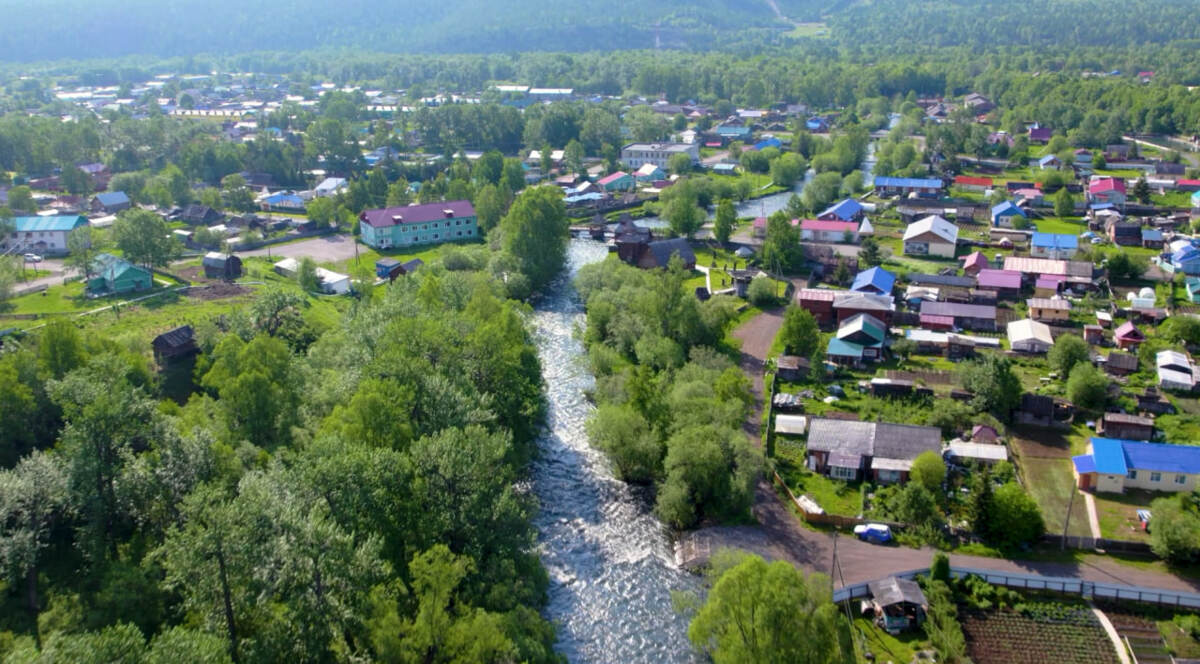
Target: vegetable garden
1036, 633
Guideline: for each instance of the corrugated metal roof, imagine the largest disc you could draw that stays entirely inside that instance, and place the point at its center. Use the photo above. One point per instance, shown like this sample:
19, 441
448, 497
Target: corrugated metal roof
48, 223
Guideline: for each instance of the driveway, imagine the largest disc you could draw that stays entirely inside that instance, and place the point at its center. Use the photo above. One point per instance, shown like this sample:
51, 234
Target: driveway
57, 270
324, 249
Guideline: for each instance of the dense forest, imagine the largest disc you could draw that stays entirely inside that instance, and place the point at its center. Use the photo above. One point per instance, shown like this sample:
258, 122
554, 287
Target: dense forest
82, 29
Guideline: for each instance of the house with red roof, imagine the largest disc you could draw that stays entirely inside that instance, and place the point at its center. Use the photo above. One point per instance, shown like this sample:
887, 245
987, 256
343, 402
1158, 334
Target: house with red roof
974, 262
834, 232
1006, 283
972, 183
1107, 190
619, 181
1040, 135
1128, 337
431, 223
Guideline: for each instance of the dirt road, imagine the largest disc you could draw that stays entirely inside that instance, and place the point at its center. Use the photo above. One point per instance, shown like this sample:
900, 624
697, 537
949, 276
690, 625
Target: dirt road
323, 249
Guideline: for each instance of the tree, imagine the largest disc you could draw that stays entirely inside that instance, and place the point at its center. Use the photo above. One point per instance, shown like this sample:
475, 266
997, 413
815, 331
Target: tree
489, 207
321, 211
399, 193
1141, 191
841, 273
1064, 203
725, 219
236, 193
307, 277
761, 292
868, 252
535, 232
144, 238
1122, 265
823, 190
928, 470
1067, 351
799, 333
786, 169
1014, 519
770, 613
680, 163
795, 208
781, 251
684, 216
628, 441
21, 198
573, 156
33, 498
981, 503
1181, 330
1087, 387
996, 387
1175, 533
75, 181
83, 244
513, 176
60, 349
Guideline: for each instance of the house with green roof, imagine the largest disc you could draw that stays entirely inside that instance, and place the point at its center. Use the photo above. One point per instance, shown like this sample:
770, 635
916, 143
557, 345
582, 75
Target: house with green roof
859, 340
1193, 289
42, 234
112, 274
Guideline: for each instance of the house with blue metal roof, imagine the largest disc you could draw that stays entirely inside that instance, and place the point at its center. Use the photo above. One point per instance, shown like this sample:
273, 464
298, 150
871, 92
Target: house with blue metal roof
1049, 161
844, 210
110, 202
768, 142
1004, 213
875, 280
113, 274
1186, 259
1113, 465
1058, 246
42, 235
890, 186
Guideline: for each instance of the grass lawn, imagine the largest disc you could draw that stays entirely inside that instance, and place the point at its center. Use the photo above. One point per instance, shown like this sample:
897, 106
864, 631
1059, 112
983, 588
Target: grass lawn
815, 29
1181, 644
1061, 225
834, 496
54, 300
1118, 514
1044, 461
888, 648
1180, 199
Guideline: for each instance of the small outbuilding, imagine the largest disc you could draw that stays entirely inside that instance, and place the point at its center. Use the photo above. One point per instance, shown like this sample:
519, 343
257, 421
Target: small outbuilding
173, 344
220, 266
898, 604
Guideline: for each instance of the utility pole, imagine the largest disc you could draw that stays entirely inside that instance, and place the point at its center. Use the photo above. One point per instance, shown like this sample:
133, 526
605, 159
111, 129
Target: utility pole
1067, 524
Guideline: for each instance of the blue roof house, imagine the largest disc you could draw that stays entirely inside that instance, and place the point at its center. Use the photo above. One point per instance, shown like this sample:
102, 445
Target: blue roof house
733, 132
875, 280
768, 142
1059, 246
1186, 260
283, 201
110, 202
42, 235
1004, 213
1049, 161
1193, 289
1113, 465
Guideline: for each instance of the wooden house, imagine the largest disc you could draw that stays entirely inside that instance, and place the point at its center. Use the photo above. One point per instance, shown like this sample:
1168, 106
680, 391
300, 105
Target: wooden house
173, 344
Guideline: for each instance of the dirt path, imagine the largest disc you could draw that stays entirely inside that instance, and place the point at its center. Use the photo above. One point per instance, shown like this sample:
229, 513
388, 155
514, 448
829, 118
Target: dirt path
781, 536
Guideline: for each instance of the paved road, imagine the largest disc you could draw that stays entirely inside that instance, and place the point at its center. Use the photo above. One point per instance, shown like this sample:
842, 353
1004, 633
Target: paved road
324, 249
781, 536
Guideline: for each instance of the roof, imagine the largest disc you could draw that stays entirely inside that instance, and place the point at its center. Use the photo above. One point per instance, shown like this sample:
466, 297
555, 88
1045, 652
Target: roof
664, 249
957, 310
48, 223
865, 301
865, 323
837, 226
417, 214
1055, 240
1128, 330
879, 439
1005, 208
988, 451
795, 424
1101, 185
818, 294
951, 280
648, 169
931, 319
1027, 265
1113, 455
943, 229
974, 259
176, 338
659, 147
1121, 360
1028, 329
842, 348
907, 183
972, 181
609, 179
1152, 234
215, 259
1048, 303
844, 209
1172, 358
1123, 418
1084, 463
112, 198
1041, 133
875, 277
111, 267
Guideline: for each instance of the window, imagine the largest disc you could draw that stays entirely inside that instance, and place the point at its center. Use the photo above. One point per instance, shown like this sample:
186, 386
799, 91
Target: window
1132, 475
1155, 477
1181, 479
843, 473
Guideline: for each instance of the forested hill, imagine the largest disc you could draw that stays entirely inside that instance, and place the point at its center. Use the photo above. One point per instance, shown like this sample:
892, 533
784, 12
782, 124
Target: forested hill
80, 29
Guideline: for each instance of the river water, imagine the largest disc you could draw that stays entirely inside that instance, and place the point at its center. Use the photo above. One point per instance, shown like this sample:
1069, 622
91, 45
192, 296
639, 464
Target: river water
611, 564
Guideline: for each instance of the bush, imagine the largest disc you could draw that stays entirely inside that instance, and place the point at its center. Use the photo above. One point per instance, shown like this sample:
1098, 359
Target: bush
1087, 387
761, 292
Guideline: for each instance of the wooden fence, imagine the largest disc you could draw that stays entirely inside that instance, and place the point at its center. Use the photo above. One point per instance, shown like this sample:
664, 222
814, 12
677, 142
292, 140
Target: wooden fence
927, 377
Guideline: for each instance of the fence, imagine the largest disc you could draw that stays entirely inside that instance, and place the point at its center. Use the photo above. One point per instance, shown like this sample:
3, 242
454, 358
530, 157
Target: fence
1070, 586
1109, 545
927, 377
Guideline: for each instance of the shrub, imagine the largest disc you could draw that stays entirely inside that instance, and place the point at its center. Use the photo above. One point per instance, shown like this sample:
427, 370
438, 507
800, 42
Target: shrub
761, 292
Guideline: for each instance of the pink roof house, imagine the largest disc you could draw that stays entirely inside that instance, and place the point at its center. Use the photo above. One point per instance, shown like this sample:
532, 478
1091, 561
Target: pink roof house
1127, 336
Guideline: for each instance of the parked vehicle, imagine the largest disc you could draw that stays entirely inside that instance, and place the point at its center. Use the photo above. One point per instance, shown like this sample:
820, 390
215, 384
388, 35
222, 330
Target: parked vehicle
33, 258
876, 533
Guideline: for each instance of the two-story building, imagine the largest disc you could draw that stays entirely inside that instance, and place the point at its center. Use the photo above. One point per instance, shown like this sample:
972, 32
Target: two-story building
431, 223
635, 155
43, 235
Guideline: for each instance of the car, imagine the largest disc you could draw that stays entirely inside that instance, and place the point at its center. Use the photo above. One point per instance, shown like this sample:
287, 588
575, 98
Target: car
1097, 240
33, 258
876, 533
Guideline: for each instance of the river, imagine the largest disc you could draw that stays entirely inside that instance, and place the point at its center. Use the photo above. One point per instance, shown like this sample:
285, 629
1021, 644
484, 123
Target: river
611, 563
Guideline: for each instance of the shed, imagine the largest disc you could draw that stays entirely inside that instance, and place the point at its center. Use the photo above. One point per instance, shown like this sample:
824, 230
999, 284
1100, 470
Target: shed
1127, 427
791, 367
221, 266
986, 453
1121, 364
1128, 336
899, 603
174, 343
1029, 336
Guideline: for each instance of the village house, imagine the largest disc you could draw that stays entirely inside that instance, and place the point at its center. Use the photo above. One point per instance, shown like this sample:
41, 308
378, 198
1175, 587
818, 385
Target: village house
844, 210
1039, 410
976, 184
1127, 336
619, 181
1113, 466
330, 186
43, 235
1029, 336
1107, 190
1120, 364
859, 341
874, 280
431, 223
109, 202
819, 303
831, 232
881, 451
1152, 238
848, 303
634, 155
1002, 214
1127, 427
936, 316
890, 186
1184, 258
1125, 233
898, 604
1053, 245
221, 266
1040, 135
1005, 283
931, 236
1048, 309
649, 173
973, 263
112, 274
